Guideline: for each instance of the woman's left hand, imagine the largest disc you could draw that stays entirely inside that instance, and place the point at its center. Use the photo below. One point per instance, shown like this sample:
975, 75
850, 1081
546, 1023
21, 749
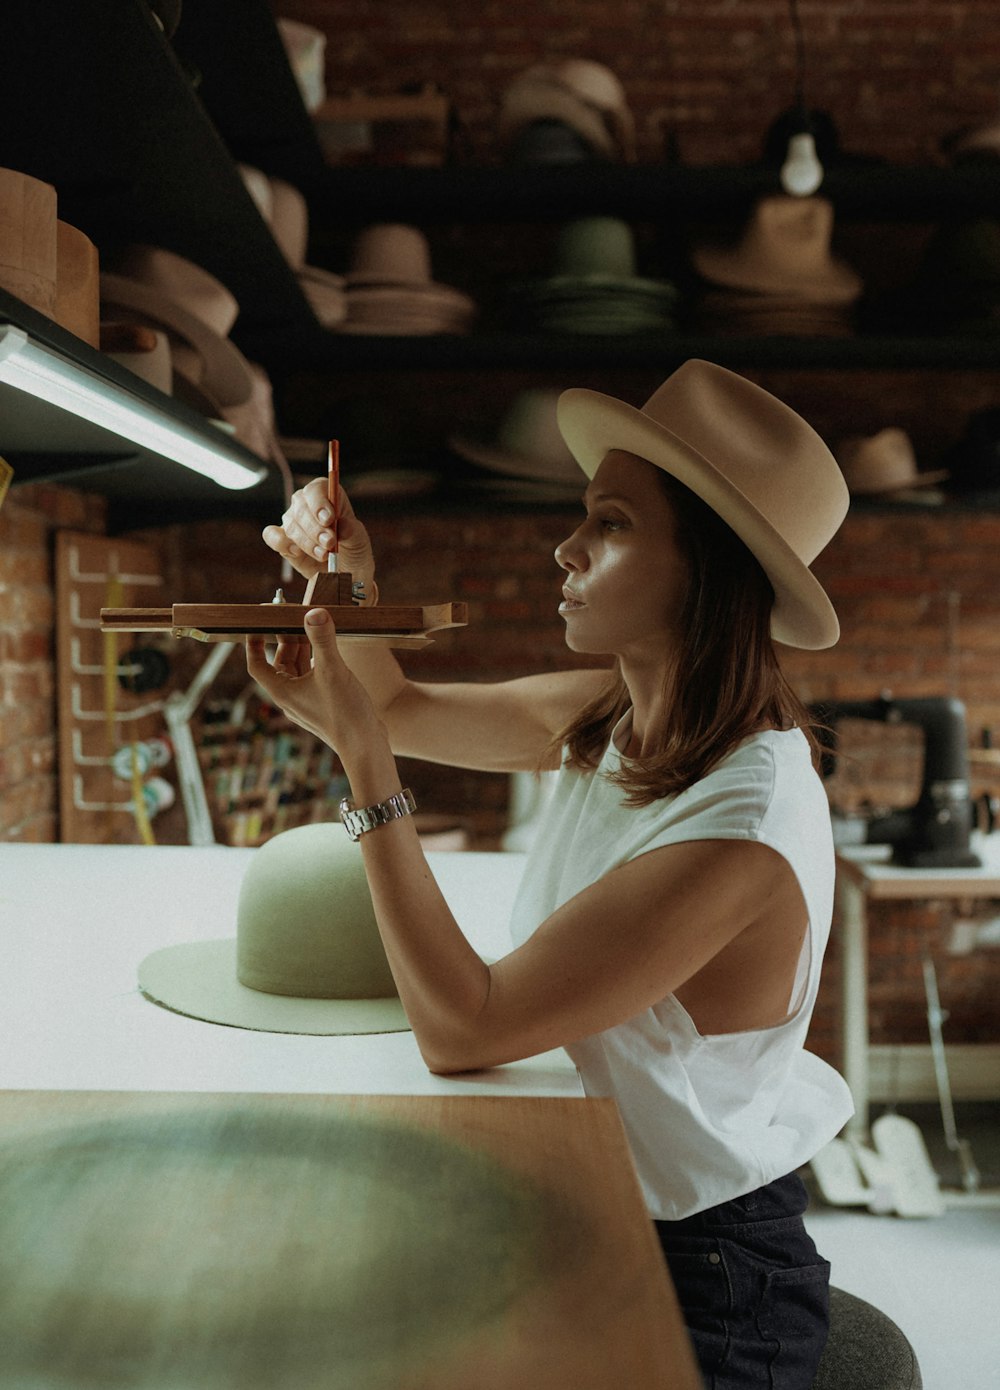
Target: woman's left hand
310, 681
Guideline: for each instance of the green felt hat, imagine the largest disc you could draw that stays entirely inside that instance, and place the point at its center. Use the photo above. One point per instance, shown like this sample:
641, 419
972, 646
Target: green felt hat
307, 956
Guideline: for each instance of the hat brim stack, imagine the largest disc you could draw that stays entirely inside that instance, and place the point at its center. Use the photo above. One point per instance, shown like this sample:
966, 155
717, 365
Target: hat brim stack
781, 279
594, 288
389, 290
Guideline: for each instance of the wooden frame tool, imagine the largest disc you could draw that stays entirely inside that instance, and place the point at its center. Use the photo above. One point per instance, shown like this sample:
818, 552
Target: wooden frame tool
396, 625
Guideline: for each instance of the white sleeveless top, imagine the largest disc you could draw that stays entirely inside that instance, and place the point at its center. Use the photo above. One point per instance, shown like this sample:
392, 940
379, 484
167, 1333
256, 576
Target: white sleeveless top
708, 1118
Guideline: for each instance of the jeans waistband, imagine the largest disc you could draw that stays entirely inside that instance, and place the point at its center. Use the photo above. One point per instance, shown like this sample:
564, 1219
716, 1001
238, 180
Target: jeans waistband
783, 1197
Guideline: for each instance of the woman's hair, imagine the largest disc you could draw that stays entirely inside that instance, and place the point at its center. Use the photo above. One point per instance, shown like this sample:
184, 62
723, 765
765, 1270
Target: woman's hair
728, 681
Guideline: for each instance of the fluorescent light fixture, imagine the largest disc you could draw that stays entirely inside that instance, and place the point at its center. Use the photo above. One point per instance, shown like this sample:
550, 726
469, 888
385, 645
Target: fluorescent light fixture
40, 372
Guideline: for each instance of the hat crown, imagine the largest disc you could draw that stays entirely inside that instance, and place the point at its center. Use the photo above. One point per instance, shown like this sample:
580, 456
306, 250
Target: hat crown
392, 252
530, 427
758, 445
306, 926
596, 246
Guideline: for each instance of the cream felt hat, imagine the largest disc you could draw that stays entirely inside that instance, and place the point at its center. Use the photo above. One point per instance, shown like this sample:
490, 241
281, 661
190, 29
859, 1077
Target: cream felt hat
755, 462
157, 287
307, 956
528, 443
785, 250
877, 464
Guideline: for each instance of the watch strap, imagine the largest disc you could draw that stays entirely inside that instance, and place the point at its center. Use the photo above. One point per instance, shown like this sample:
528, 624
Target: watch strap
357, 821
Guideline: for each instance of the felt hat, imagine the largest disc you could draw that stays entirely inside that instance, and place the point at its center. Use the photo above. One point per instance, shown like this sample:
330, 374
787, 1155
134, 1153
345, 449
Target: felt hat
784, 250
157, 287
581, 94
528, 443
390, 286
307, 956
752, 459
883, 463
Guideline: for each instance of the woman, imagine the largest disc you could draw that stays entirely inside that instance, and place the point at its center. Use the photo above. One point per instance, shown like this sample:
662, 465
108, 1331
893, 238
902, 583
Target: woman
674, 910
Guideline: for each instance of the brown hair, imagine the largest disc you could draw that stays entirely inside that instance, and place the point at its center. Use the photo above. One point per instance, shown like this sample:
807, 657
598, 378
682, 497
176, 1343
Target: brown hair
730, 683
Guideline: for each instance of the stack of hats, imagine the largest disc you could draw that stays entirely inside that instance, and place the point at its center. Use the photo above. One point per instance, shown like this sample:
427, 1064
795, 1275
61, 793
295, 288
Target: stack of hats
781, 277
284, 209
884, 465
574, 110
390, 288
168, 320
526, 457
594, 287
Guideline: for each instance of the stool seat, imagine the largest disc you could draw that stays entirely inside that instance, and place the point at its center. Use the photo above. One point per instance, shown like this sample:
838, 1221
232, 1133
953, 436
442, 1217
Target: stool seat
865, 1349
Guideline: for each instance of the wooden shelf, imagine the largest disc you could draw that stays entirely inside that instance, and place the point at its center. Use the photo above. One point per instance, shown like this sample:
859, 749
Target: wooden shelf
660, 350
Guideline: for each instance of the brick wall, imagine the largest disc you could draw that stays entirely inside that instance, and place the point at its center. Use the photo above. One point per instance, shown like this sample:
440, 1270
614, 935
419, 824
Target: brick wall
712, 74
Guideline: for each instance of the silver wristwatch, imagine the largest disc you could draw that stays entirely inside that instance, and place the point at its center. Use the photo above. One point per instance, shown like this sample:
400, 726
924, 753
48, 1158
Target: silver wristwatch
358, 822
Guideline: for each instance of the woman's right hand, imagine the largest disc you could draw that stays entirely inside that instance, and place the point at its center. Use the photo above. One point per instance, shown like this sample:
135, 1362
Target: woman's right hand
305, 537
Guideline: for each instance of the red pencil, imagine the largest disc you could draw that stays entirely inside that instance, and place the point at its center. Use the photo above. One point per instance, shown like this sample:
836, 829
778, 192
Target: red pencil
333, 496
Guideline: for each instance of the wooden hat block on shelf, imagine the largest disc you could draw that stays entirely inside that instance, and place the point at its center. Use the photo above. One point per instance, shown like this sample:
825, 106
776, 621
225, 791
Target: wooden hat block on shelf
395, 625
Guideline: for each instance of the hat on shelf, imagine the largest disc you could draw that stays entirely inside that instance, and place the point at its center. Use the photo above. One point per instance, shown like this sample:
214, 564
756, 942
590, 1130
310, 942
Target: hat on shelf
594, 287
165, 291
784, 250
582, 95
284, 209
307, 956
751, 458
883, 463
28, 240
549, 142
781, 276
390, 287
527, 445
142, 350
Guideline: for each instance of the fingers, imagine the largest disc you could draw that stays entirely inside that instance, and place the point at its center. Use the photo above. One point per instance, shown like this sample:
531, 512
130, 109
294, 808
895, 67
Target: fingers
306, 534
276, 539
293, 656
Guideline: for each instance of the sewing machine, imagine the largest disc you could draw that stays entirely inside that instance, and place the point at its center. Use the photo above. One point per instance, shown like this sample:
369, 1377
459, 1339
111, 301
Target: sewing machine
935, 832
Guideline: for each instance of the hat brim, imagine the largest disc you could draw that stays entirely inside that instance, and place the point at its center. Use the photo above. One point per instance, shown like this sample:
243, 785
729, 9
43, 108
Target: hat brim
871, 487
533, 469
593, 424
198, 978
226, 375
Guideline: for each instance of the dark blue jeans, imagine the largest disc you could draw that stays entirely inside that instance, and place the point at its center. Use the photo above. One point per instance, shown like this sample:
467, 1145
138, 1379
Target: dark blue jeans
754, 1292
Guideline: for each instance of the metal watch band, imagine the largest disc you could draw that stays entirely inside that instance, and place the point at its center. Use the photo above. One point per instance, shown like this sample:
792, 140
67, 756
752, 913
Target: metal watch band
358, 821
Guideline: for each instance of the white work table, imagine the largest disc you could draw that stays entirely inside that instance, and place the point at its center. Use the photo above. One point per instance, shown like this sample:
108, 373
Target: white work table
76, 920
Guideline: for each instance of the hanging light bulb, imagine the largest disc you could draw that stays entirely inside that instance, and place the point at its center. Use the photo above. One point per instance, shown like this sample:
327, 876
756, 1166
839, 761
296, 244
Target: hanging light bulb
801, 173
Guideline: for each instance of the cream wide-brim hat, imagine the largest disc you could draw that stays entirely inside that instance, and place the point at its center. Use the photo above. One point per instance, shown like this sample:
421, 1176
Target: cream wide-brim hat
751, 458
784, 250
307, 956
878, 464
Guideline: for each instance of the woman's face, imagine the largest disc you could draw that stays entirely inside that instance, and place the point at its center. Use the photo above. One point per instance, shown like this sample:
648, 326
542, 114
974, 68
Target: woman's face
626, 575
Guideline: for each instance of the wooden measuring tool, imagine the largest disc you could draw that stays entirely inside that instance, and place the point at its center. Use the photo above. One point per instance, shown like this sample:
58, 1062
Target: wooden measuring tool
395, 625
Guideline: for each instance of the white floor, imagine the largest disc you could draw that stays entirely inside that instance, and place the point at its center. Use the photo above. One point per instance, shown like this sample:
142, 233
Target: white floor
938, 1278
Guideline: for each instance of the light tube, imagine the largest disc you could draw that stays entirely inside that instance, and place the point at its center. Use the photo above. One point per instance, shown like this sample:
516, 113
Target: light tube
45, 374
